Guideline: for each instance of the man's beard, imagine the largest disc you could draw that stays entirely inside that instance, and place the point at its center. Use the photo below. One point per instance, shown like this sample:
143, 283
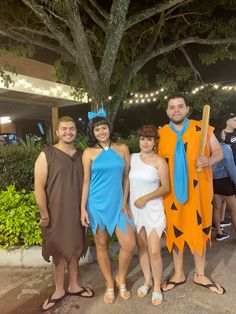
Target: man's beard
178, 121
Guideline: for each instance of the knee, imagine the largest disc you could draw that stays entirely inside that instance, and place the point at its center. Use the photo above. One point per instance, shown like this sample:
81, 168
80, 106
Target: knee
102, 245
128, 246
154, 253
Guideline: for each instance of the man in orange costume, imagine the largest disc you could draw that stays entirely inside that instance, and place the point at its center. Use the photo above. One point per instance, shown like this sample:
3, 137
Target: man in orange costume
188, 205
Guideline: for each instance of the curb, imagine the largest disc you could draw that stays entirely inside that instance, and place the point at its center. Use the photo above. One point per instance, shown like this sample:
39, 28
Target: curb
32, 257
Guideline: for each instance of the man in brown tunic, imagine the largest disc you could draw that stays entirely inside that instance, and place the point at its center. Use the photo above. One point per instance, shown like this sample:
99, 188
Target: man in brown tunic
58, 186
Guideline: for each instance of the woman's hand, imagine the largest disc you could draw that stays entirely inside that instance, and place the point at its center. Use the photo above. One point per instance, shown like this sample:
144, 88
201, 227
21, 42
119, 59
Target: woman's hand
44, 222
140, 202
84, 218
125, 208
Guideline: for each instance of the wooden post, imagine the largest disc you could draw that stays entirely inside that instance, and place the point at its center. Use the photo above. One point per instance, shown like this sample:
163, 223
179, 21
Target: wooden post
54, 122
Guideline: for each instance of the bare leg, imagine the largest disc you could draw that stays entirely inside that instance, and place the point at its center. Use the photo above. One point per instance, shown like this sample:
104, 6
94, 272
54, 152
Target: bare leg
154, 248
59, 270
222, 212
73, 278
216, 212
144, 259
101, 241
199, 276
127, 243
231, 202
179, 276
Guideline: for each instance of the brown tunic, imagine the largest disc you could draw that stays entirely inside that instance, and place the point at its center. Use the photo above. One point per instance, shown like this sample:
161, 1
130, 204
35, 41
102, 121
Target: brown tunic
65, 236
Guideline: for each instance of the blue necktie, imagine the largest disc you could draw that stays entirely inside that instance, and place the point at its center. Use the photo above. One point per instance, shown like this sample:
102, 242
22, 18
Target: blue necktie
180, 165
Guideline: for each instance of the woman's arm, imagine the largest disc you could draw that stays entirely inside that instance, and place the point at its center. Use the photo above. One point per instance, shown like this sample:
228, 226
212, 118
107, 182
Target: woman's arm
229, 163
86, 181
125, 206
164, 187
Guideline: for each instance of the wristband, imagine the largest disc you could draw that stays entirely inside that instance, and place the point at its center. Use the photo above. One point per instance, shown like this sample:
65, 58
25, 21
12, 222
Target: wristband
45, 218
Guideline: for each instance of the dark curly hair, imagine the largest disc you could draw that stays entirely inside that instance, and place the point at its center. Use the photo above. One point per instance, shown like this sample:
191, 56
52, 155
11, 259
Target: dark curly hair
92, 141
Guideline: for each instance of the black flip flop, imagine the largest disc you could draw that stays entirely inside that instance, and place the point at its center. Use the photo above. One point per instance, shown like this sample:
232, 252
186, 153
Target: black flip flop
80, 293
174, 283
55, 301
211, 285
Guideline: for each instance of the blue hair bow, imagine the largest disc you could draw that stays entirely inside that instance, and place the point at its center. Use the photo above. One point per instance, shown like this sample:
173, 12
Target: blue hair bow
101, 113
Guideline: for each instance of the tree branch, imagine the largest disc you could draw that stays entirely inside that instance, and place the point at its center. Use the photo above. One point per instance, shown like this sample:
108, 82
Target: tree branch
156, 9
99, 9
195, 71
93, 16
49, 23
22, 38
83, 56
115, 31
33, 31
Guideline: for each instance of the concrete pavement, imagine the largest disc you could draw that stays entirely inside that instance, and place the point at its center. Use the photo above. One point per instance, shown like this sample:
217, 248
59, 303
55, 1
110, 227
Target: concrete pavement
22, 290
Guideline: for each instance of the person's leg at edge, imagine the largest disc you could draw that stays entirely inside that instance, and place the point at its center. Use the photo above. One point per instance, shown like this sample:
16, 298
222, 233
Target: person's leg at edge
59, 272
73, 278
179, 276
154, 248
127, 243
103, 257
231, 203
199, 275
217, 212
222, 212
144, 259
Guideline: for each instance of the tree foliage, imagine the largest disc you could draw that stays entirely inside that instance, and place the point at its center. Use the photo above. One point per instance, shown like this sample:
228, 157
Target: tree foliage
113, 47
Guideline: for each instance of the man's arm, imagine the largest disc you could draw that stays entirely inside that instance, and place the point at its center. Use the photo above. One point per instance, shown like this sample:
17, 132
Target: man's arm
216, 154
40, 180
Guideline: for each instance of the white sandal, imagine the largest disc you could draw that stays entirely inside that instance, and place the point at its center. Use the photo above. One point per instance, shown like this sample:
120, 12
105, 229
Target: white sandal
124, 293
144, 290
109, 296
157, 296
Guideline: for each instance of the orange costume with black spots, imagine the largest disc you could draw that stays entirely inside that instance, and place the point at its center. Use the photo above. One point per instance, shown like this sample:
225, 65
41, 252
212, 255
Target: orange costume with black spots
191, 222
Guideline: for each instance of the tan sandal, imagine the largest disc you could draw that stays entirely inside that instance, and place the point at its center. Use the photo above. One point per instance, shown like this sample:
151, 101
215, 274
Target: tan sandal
109, 296
124, 293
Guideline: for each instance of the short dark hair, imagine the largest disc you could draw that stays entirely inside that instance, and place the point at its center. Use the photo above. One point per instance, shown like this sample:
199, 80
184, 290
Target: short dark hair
64, 119
92, 141
148, 131
179, 95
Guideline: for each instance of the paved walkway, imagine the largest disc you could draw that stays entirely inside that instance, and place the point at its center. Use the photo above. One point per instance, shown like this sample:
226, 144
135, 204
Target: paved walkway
22, 290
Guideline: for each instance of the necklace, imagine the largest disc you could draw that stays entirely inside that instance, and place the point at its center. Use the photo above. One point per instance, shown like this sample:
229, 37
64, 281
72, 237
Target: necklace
106, 147
147, 155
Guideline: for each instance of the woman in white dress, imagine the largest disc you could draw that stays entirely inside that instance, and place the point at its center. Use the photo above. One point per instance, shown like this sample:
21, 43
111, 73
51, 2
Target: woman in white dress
149, 181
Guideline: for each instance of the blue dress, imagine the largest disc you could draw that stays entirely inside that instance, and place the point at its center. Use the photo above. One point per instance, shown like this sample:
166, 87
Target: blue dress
105, 195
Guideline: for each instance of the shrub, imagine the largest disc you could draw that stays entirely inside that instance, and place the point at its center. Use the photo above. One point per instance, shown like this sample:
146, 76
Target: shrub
132, 143
18, 219
17, 166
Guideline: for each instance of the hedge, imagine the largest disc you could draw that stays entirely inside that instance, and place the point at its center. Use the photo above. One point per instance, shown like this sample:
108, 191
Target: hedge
19, 218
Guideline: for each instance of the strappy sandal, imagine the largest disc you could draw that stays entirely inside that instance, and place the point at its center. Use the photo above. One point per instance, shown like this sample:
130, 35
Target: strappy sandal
157, 298
109, 296
124, 293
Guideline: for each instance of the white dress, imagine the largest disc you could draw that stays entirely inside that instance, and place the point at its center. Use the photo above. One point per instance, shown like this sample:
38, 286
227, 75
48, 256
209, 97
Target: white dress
145, 179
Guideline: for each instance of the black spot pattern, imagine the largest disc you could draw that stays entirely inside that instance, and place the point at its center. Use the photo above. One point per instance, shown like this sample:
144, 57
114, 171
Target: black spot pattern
195, 183
199, 218
206, 230
173, 206
186, 146
177, 232
197, 128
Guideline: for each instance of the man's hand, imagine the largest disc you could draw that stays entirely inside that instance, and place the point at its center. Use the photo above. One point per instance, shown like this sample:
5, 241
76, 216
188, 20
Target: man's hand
84, 218
44, 222
203, 161
140, 202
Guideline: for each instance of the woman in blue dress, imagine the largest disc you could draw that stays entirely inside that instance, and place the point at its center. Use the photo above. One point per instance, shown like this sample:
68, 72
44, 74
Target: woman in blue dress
104, 200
